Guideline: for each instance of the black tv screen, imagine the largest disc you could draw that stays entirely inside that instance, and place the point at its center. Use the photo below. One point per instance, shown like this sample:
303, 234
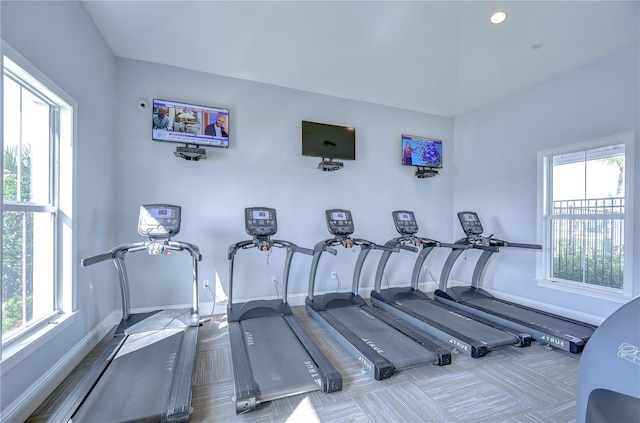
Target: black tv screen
328, 141
186, 123
421, 151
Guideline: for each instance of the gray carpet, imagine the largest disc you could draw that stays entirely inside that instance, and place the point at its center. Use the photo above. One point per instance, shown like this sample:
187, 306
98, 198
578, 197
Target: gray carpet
508, 385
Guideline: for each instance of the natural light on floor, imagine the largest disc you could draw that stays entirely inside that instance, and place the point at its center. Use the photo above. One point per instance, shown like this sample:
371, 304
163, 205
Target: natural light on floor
304, 412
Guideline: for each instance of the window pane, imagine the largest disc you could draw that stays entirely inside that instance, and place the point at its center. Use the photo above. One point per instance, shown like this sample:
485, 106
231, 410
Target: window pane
35, 149
568, 181
605, 177
589, 251
27, 290
26, 145
11, 125
587, 229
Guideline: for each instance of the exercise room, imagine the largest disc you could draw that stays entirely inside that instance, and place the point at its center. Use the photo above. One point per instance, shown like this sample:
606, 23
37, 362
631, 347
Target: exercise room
320, 211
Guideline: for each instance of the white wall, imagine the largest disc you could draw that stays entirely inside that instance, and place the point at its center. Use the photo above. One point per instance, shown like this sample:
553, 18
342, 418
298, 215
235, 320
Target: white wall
264, 167
60, 40
495, 168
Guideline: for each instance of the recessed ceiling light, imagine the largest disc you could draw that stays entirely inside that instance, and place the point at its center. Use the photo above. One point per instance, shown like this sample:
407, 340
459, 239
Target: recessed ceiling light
498, 17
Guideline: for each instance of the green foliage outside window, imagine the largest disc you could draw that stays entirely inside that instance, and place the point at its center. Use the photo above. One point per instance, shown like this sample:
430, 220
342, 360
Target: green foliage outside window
17, 244
592, 266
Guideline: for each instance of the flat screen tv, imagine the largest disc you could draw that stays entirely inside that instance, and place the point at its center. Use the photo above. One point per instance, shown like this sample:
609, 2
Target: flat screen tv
328, 141
421, 151
185, 123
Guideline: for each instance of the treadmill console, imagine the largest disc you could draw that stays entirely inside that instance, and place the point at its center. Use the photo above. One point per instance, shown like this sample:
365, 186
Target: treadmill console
260, 221
159, 220
405, 222
339, 222
470, 223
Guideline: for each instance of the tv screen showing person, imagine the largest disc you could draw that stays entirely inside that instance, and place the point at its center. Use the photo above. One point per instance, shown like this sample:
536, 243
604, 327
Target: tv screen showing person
219, 128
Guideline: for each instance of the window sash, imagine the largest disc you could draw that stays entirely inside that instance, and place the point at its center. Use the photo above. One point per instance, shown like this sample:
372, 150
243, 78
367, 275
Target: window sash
588, 212
39, 299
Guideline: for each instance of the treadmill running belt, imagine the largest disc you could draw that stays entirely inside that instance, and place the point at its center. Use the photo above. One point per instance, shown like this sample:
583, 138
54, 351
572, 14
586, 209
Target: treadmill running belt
136, 385
401, 350
531, 318
280, 364
493, 338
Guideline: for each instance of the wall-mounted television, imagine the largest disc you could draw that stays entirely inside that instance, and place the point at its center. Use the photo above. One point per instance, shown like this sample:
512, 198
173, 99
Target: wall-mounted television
328, 141
191, 124
421, 151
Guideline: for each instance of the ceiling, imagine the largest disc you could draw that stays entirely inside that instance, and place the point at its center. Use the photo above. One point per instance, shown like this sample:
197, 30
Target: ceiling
437, 57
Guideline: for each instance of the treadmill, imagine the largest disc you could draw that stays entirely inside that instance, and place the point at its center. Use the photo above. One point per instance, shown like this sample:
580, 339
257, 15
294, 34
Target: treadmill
462, 331
272, 356
379, 342
554, 330
145, 373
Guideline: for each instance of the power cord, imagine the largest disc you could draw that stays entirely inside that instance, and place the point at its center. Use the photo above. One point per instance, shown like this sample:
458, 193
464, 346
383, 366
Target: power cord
213, 308
276, 284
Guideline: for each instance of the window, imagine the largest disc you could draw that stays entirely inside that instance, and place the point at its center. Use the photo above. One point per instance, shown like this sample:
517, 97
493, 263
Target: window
36, 215
585, 193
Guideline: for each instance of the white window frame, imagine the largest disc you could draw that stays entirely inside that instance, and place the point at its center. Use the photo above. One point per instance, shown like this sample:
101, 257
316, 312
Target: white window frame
62, 204
544, 178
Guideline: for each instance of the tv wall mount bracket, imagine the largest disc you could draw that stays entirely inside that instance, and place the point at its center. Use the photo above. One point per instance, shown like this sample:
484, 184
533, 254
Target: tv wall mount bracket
329, 165
425, 172
189, 152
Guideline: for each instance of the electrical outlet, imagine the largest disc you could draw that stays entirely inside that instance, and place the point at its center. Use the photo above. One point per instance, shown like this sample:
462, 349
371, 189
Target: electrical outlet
205, 283
274, 279
334, 275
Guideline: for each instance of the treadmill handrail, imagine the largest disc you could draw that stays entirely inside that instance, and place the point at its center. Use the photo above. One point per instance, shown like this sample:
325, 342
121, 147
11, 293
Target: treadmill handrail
401, 242
327, 245
357, 271
118, 253
468, 243
479, 243
266, 242
502, 243
133, 247
85, 262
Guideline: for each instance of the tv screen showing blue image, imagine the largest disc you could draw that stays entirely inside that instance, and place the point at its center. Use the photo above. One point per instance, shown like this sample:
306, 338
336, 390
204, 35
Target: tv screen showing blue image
421, 151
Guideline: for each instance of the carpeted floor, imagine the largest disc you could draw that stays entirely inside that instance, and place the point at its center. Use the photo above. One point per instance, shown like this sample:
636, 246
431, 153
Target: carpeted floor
512, 384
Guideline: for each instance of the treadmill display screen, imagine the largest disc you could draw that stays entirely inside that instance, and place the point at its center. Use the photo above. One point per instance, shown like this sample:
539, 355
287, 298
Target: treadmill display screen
405, 222
338, 216
470, 223
260, 214
339, 222
260, 221
159, 220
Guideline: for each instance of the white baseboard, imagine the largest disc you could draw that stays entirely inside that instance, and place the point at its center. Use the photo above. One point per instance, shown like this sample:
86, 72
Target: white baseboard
539, 305
561, 311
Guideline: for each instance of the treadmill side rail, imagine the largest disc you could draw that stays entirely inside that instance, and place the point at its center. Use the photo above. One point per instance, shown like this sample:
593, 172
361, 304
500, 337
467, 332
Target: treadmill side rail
89, 379
374, 363
179, 406
246, 391
331, 378
442, 352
